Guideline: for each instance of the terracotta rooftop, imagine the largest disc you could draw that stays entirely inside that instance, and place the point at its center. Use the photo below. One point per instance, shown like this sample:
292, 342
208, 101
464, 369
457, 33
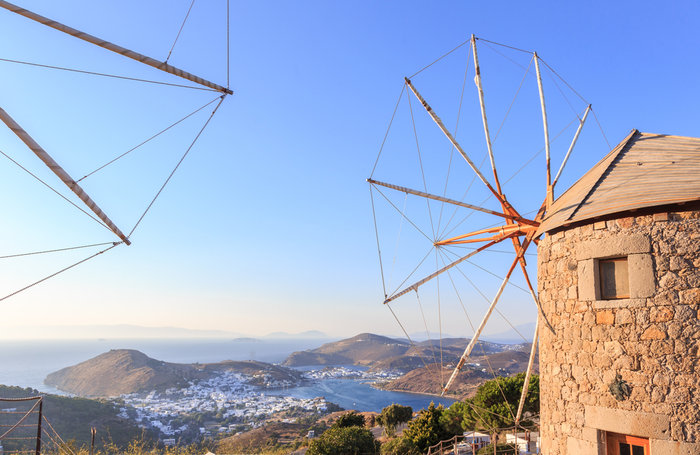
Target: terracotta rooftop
644, 170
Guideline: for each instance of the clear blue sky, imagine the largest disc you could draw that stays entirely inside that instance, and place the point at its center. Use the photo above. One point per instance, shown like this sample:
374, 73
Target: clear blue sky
267, 225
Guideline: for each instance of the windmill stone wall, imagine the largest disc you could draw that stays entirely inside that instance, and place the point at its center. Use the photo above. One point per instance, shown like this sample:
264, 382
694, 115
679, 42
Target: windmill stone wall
650, 339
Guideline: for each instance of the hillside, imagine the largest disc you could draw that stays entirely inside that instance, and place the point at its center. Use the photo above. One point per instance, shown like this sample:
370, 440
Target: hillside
362, 349
73, 417
117, 372
429, 380
275, 436
123, 371
382, 353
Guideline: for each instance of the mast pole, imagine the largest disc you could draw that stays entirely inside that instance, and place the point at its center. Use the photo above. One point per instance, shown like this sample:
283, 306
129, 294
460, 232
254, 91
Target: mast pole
504, 205
573, 143
550, 194
60, 173
454, 142
528, 372
482, 105
485, 319
113, 47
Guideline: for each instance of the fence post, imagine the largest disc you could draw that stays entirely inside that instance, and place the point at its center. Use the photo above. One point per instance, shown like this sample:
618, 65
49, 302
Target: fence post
93, 431
38, 431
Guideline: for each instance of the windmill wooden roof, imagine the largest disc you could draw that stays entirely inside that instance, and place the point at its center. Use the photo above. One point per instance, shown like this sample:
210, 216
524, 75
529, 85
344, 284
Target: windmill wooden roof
644, 170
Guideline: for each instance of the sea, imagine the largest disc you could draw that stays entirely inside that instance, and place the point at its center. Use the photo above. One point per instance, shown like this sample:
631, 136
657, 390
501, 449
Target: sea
26, 363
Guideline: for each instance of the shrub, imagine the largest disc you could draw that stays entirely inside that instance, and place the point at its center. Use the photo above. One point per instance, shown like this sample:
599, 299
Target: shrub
394, 415
351, 419
344, 441
426, 429
400, 446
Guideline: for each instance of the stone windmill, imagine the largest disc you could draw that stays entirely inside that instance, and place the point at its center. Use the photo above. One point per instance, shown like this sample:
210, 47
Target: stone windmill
619, 282
618, 287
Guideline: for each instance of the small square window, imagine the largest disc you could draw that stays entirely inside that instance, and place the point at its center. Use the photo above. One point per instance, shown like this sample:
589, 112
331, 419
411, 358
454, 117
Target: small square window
614, 279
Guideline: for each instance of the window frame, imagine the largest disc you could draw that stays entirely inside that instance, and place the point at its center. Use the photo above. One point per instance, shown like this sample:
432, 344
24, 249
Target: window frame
612, 441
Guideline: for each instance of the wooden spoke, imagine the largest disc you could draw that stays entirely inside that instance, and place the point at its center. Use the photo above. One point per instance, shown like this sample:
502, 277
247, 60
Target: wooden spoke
571, 147
528, 372
452, 201
454, 142
60, 173
113, 47
501, 232
482, 105
417, 284
544, 121
475, 338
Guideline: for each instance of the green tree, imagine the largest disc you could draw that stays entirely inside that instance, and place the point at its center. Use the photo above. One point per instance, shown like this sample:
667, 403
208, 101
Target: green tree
351, 419
400, 446
344, 441
426, 430
496, 402
394, 415
494, 405
452, 417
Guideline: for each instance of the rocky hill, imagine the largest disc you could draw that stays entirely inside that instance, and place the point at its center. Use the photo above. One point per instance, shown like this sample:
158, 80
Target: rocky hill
363, 349
430, 379
383, 353
123, 371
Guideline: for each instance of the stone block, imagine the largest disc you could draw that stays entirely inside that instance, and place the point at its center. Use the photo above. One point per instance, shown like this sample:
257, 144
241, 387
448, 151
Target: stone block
613, 348
689, 297
641, 276
641, 424
661, 314
678, 263
626, 222
618, 303
623, 316
673, 447
653, 333
660, 216
586, 280
661, 379
613, 246
599, 225
674, 330
606, 317
579, 446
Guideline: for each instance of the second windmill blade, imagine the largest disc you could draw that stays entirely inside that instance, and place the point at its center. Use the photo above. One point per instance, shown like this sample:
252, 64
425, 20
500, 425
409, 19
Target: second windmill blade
60, 173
